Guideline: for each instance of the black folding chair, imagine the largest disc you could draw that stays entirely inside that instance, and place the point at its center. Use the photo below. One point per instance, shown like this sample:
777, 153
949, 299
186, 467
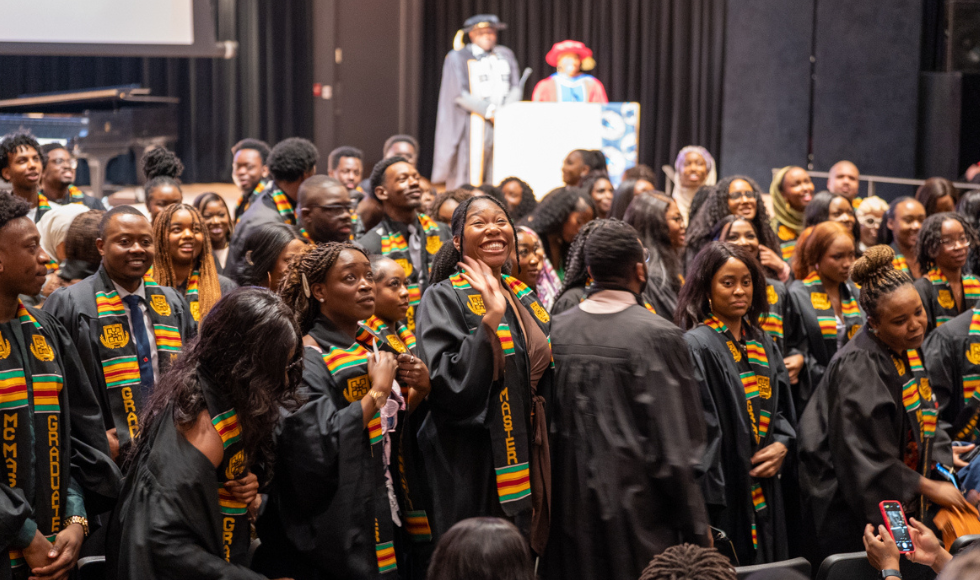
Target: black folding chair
800, 565
963, 542
91, 568
855, 566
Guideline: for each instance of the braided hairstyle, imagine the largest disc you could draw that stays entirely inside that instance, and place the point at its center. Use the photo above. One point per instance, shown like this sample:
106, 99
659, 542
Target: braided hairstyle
689, 562
313, 264
528, 201
445, 260
704, 221
161, 167
877, 277
931, 235
208, 286
576, 272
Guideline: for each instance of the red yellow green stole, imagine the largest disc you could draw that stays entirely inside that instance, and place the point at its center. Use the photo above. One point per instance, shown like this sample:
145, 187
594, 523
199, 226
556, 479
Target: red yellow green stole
772, 321
42, 202
117, 351
284, 206
236, 529
75, 195
922, 408
246, 200
190, 294
946, 304
787, 242
394, 246
824, 310
899, 262
965, 426
30, 407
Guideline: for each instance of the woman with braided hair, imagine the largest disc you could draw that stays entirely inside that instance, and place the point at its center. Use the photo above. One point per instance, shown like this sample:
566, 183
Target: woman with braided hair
869, 432
335, 511
945, 288
184, 260
484, 336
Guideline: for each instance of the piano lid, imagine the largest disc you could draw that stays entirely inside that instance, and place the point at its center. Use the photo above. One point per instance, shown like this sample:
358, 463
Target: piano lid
86, 99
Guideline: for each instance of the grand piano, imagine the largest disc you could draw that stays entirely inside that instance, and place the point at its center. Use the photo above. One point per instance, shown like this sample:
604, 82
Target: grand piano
95, 124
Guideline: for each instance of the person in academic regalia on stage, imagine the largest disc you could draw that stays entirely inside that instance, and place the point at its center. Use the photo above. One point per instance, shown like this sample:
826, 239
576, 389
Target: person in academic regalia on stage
484, 336
642, 431
477, 79
123, 355
56, 468
570, 84
870, 433
209, 423
743, 382
334, 509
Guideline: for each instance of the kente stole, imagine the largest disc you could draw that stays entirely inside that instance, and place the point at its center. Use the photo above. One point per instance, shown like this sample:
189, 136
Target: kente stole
756, 377
284, 206
965, 426
191, 295
246, 200
945, 303
826, 318
394, 246
508, 418
772, 321
30, 407
787, 242
117, 352
923, 411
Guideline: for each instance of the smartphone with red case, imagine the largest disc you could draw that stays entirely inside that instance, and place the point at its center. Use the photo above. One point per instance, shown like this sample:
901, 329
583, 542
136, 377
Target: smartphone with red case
898, 526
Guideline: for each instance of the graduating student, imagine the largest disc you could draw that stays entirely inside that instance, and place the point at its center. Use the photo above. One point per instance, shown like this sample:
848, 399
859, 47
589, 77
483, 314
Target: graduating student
391, 303
127, 328
557, 220
869, 433
338, 463
267, 254
250, 172
743, 382
183, 259
162, 169
56, 466
484, 337
952, 357
217, 218
21, 163
404, 234
741, 231
208, 423
824, 303
662, 231
519, 196
900, 229
324, 210
58, 178
291, 162
694, 168
944, 246
640, 432
791, 191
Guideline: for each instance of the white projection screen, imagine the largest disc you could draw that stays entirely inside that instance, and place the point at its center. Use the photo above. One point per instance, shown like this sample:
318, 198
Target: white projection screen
173, 28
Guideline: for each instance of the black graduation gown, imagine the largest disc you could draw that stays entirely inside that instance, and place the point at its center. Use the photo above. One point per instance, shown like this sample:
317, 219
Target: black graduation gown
803, 336
167, 523
938, 301
662, 297
91, 466
726, 483
74, 307
944, 352
568, 300
261, 211
455, 438
326, 482
853, 437
624, 456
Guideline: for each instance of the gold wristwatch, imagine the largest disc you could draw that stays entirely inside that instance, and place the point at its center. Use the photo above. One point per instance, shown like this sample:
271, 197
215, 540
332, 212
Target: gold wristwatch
77, 520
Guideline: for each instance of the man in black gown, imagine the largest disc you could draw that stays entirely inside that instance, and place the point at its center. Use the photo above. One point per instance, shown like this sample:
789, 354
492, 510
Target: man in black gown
628, 426
56, 467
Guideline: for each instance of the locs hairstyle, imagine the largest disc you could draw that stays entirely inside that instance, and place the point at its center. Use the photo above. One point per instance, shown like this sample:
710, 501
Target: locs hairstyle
693, 304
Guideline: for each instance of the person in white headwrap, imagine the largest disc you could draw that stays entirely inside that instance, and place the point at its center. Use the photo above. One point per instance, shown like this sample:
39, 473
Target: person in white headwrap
53, 228
693, 168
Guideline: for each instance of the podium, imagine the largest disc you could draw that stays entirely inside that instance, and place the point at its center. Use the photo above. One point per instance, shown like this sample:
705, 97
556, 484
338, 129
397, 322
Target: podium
531, 140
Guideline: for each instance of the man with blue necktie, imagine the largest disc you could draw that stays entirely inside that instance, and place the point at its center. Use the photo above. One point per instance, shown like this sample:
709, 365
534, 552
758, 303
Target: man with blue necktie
127, 329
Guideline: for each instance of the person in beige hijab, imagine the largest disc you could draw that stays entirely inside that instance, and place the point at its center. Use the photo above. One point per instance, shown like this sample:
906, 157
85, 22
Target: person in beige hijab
791, 190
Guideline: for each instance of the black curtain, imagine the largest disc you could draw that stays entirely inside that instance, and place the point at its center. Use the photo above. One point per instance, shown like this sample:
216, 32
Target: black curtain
264, 92
664, 54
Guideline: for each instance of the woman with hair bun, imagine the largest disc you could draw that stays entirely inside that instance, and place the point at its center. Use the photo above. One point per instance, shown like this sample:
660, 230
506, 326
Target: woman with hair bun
824, 302
869, 432
162, 169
